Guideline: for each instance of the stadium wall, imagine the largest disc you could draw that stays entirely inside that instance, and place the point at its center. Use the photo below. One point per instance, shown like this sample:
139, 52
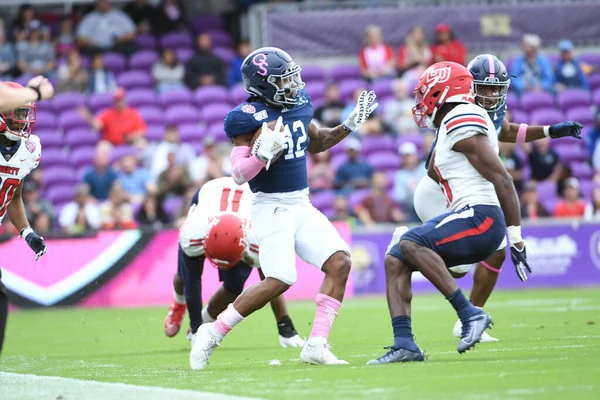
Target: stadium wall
135, 268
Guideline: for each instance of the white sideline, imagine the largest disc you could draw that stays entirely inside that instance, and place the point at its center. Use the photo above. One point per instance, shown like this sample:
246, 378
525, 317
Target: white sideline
33, 387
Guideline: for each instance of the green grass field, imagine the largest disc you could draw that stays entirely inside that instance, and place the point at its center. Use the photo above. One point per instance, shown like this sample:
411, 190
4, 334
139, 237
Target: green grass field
549, 349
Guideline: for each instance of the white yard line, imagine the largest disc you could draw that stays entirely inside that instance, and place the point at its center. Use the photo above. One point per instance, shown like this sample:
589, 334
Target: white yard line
33, 387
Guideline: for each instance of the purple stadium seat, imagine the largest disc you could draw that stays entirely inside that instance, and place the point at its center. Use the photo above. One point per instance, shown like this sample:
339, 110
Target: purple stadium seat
416, 139
590, 58
61, 194
152, 115
596, 97
155, 133
587, 187
211, 94
183, 55
585, 115
337, 160
214, 113
348, 86
82, 157
100, 101
383, 87
121, 151
177, 40
582, 170
238, 94
181, 114
172, 204
225, 54
141, 97
357, 196
72, 119
532, 101
595, 81
52, 142
390, 175
329, 212
217, 132
114, 62
316, 90
384, 160
144, 59
44, 105
190, 133
147, 42
45, 120
53, 157
135, 79
312, 73
571, 98
512, 101
345, 71
220, 39
546, 189
569, 153
59, 175
45, 133
202, 23
175, 97
68, 100
323, 199
23, 79
372, 144
546, 116
81, 137
519, 117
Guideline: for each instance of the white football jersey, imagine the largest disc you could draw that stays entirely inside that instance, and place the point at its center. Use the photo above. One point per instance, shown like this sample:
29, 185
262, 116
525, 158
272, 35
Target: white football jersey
14, 168
459, 180
217, 197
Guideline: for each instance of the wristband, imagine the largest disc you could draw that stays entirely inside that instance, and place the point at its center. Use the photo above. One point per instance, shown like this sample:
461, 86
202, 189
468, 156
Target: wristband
514, 234
37, 91
522, 133
25, 232
547, 131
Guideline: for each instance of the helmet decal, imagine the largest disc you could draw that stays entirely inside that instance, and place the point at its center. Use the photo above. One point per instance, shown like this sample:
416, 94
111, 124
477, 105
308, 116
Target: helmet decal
260, 60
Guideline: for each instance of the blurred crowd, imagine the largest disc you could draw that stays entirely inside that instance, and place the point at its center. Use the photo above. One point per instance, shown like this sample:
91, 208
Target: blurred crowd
151, 184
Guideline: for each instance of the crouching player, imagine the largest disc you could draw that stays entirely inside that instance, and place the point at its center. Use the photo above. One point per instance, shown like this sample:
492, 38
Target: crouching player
218, 228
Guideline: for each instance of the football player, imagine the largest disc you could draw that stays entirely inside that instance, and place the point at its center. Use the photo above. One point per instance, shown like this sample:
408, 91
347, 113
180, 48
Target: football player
491, 83
20, 153
283, 220
217, 210
482, 203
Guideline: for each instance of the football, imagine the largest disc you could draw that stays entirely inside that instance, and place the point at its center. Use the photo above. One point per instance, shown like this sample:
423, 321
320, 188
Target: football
256, 140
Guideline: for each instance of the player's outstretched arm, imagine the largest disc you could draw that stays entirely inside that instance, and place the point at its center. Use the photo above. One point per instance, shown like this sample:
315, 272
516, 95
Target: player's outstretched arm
521, 133
325, 138
38, 88
16, 213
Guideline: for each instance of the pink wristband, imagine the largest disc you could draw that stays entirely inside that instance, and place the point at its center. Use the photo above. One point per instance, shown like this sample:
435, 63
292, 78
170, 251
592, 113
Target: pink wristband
522, 133
244, 166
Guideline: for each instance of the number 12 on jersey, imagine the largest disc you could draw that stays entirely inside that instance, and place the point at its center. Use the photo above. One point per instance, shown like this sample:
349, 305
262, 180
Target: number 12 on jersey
298, 152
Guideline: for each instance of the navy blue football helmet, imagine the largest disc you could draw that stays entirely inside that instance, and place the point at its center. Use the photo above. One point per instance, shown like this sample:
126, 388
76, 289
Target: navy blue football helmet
270, 74
490, 81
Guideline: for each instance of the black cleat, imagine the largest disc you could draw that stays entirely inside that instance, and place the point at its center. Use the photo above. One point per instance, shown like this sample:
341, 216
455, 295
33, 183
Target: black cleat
395, 355
472, 329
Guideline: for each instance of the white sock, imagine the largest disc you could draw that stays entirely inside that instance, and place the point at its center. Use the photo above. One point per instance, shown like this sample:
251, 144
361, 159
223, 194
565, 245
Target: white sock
179, 298
206, 317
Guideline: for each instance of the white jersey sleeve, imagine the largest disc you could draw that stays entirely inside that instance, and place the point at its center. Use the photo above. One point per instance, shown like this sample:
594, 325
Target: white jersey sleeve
462, 124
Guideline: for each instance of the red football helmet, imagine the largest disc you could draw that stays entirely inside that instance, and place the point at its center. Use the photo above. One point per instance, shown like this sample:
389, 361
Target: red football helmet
443, 82
17, 123
225, 243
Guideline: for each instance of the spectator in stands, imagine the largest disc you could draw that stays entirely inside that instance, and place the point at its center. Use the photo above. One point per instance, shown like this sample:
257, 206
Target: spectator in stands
569, 73
81, 215
592, 209
447, 47
142, 14
105, 29
184, 208
330, 113
530, 202
152, 213
571, 206
512, 163
168, 73
72, 76
414, 56
212, 163
35, 205
561, 176
407, 178
397, 113
532, 71
119, 124
378, 206
320, 173
8, 58
376, 58
25, 16
175, 180
184, 153
36, 55
102, 80
42, 224
204, 68
101, 176
65, 42
543, 161
169, 17
235, 68
354, 173
116, 211
591, 139
134, 180
342, 210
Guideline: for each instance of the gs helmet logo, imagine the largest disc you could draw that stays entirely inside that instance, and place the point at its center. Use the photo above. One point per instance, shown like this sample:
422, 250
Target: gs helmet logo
260, 60
439, 75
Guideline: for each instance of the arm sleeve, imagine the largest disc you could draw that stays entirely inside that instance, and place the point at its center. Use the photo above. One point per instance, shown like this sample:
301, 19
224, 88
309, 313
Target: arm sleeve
239, 123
